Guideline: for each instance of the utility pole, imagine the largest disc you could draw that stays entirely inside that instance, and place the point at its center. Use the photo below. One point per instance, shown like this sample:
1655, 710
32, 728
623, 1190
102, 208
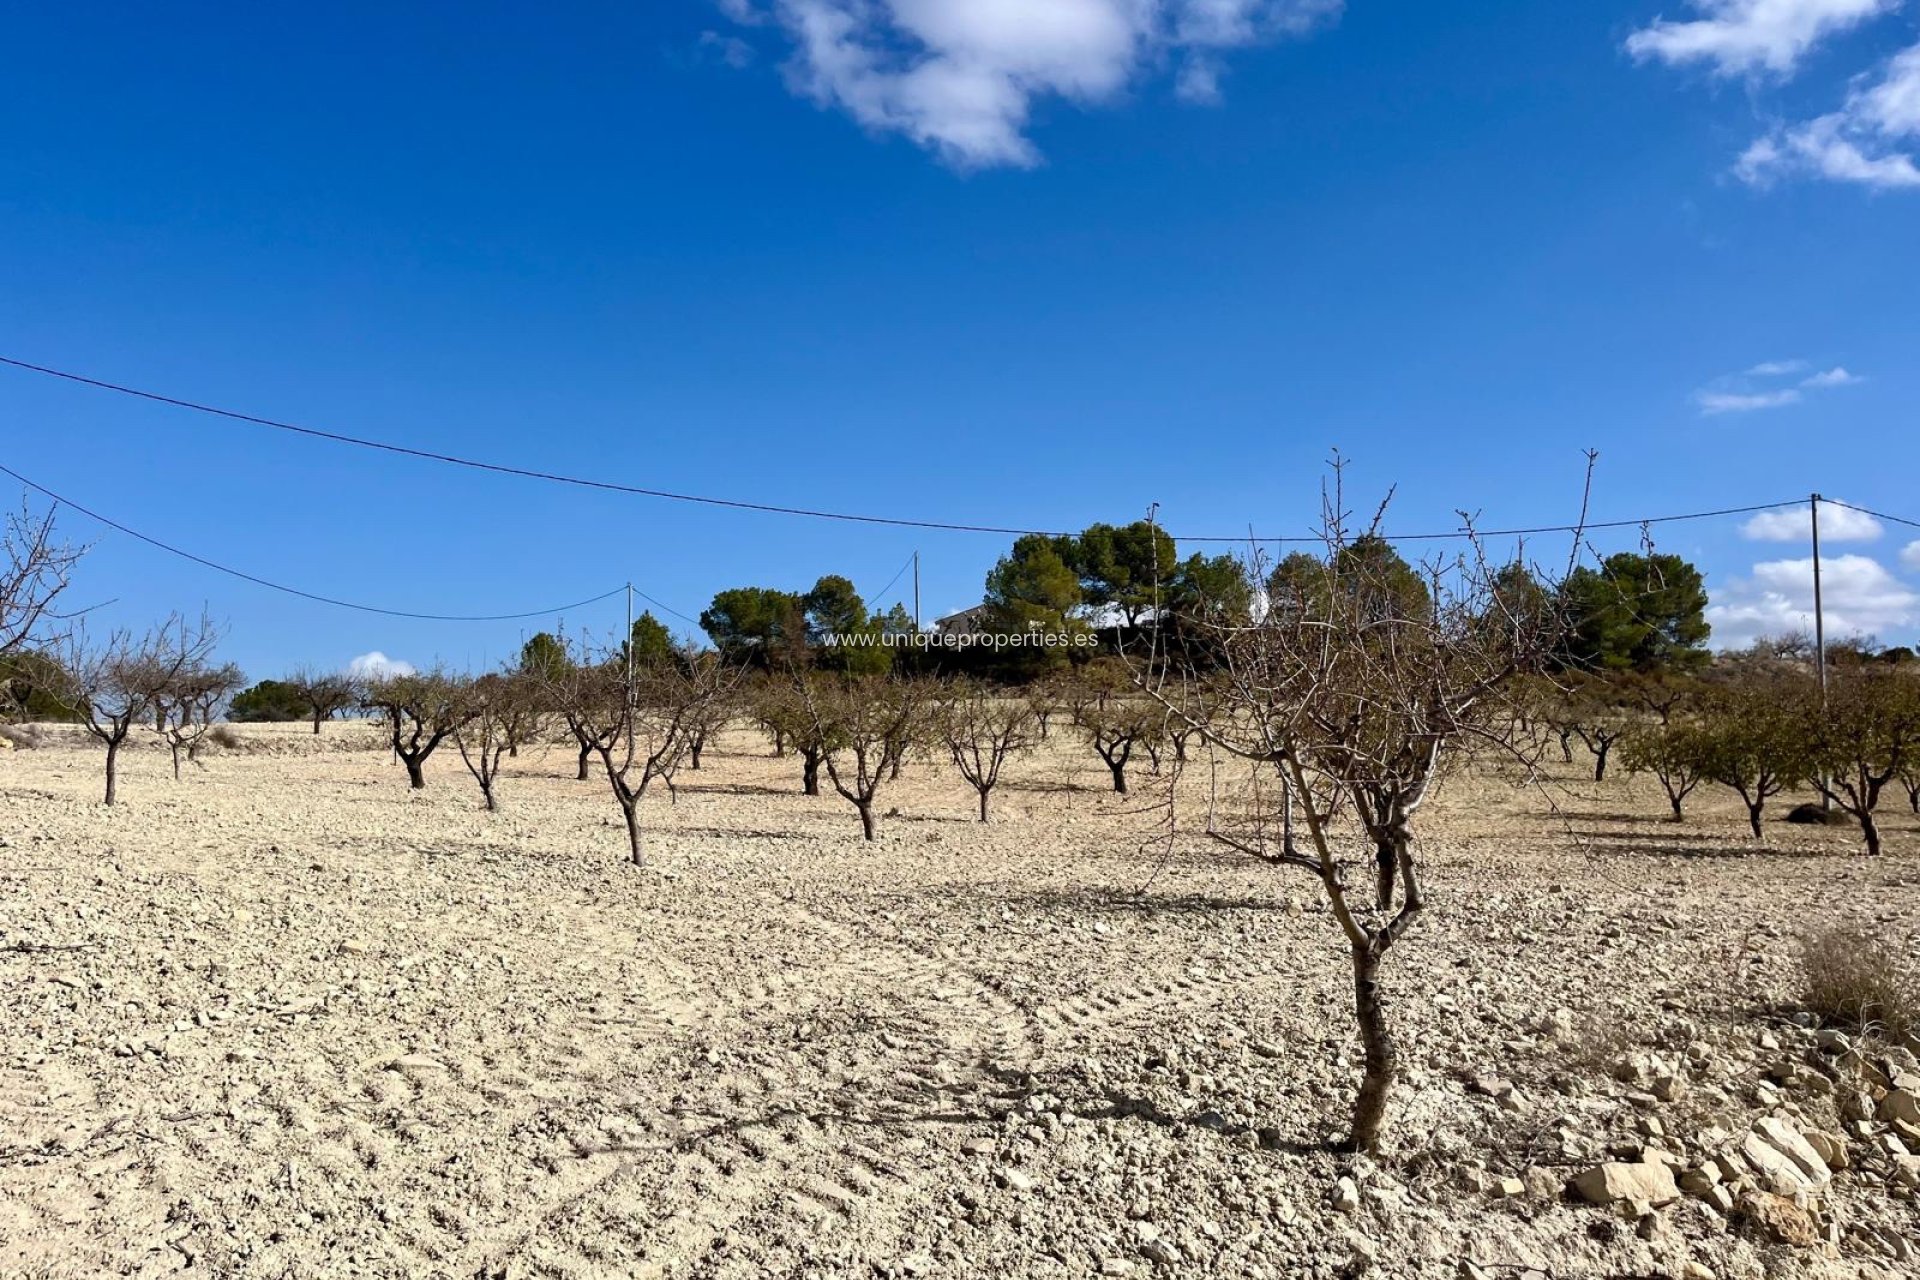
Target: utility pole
1819, 636
916, 591
629, 647
1819, 613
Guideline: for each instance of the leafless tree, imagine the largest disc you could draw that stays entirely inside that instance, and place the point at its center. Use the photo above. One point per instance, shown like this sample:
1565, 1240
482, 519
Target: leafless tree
186, 709
38, 568
782, 707
867, 724
326, 693
118, 683
709, 719
639, 718
980, 728
498, 711
1117, 724
421, 710
1356, 707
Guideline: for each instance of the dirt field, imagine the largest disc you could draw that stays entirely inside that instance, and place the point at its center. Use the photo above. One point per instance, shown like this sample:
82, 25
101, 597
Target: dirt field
286, 1018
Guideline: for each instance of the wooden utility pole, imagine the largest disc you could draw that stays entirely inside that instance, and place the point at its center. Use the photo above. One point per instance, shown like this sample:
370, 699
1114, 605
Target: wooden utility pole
1819, 636
916, 591
1819, 613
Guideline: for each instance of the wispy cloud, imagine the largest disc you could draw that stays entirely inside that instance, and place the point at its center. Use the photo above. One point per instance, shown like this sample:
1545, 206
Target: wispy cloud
1834, 377
1910, 555
1740, 37
1717, 402
1837, 524
732, 50
1764, 387
961, 77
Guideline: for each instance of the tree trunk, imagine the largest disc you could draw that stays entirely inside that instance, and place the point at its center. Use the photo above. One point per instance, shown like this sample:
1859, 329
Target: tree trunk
1386, 862
1566, 746
586, 750
1753, 817
810, 772
113, 760
1674, 800
866, 818
1382, 1057
983, 802
486, 789
1043, 725
416, 774
174, 747
1871, 831
1119, 776
779, 743
694, 749
1600, 761
631, 810
316, 722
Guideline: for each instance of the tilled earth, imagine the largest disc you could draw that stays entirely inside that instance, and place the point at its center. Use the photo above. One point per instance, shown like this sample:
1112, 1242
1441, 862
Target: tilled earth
286, 1018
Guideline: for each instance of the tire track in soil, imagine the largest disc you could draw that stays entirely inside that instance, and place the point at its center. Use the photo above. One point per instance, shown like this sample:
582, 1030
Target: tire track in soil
1075, 1021
440, 1147
798, 1147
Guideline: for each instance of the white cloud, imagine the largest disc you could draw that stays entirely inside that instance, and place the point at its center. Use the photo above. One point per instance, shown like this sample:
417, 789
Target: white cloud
1740, 37
1868, 141
1857, 593
1759, 387
1910, 555
376, 665
960, 77
1716, 402
1837, 524
1834, 377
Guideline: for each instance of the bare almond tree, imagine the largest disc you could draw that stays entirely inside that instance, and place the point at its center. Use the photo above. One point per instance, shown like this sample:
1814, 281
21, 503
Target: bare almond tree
980, 728
1118, 724
782, 707
639, 717
421, 710
867, 725
498, 711
37, 569
326, 693
123, 680
1353, 695
187, 708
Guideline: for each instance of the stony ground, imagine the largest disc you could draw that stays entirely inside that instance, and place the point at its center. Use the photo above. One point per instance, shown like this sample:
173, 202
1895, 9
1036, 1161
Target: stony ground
285, 1018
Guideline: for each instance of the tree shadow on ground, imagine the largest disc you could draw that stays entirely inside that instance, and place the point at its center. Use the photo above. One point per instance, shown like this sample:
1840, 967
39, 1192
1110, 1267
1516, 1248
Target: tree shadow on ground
737, 789
1635, 842
1050, 788
737, 833
1099, 899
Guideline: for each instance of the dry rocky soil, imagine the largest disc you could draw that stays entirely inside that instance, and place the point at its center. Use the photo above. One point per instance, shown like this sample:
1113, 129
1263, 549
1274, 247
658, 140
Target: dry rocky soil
285, 1018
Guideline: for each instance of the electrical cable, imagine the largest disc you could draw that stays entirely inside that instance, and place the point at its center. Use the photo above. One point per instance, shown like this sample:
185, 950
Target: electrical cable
295, 591
811, 513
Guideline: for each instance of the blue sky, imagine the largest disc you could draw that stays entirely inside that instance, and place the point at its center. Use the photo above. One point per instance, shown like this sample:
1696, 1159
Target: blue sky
998, 262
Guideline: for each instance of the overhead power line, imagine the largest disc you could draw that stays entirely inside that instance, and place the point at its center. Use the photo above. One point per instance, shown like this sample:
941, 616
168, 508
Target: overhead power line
295, 591
1877, 515
736, 504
